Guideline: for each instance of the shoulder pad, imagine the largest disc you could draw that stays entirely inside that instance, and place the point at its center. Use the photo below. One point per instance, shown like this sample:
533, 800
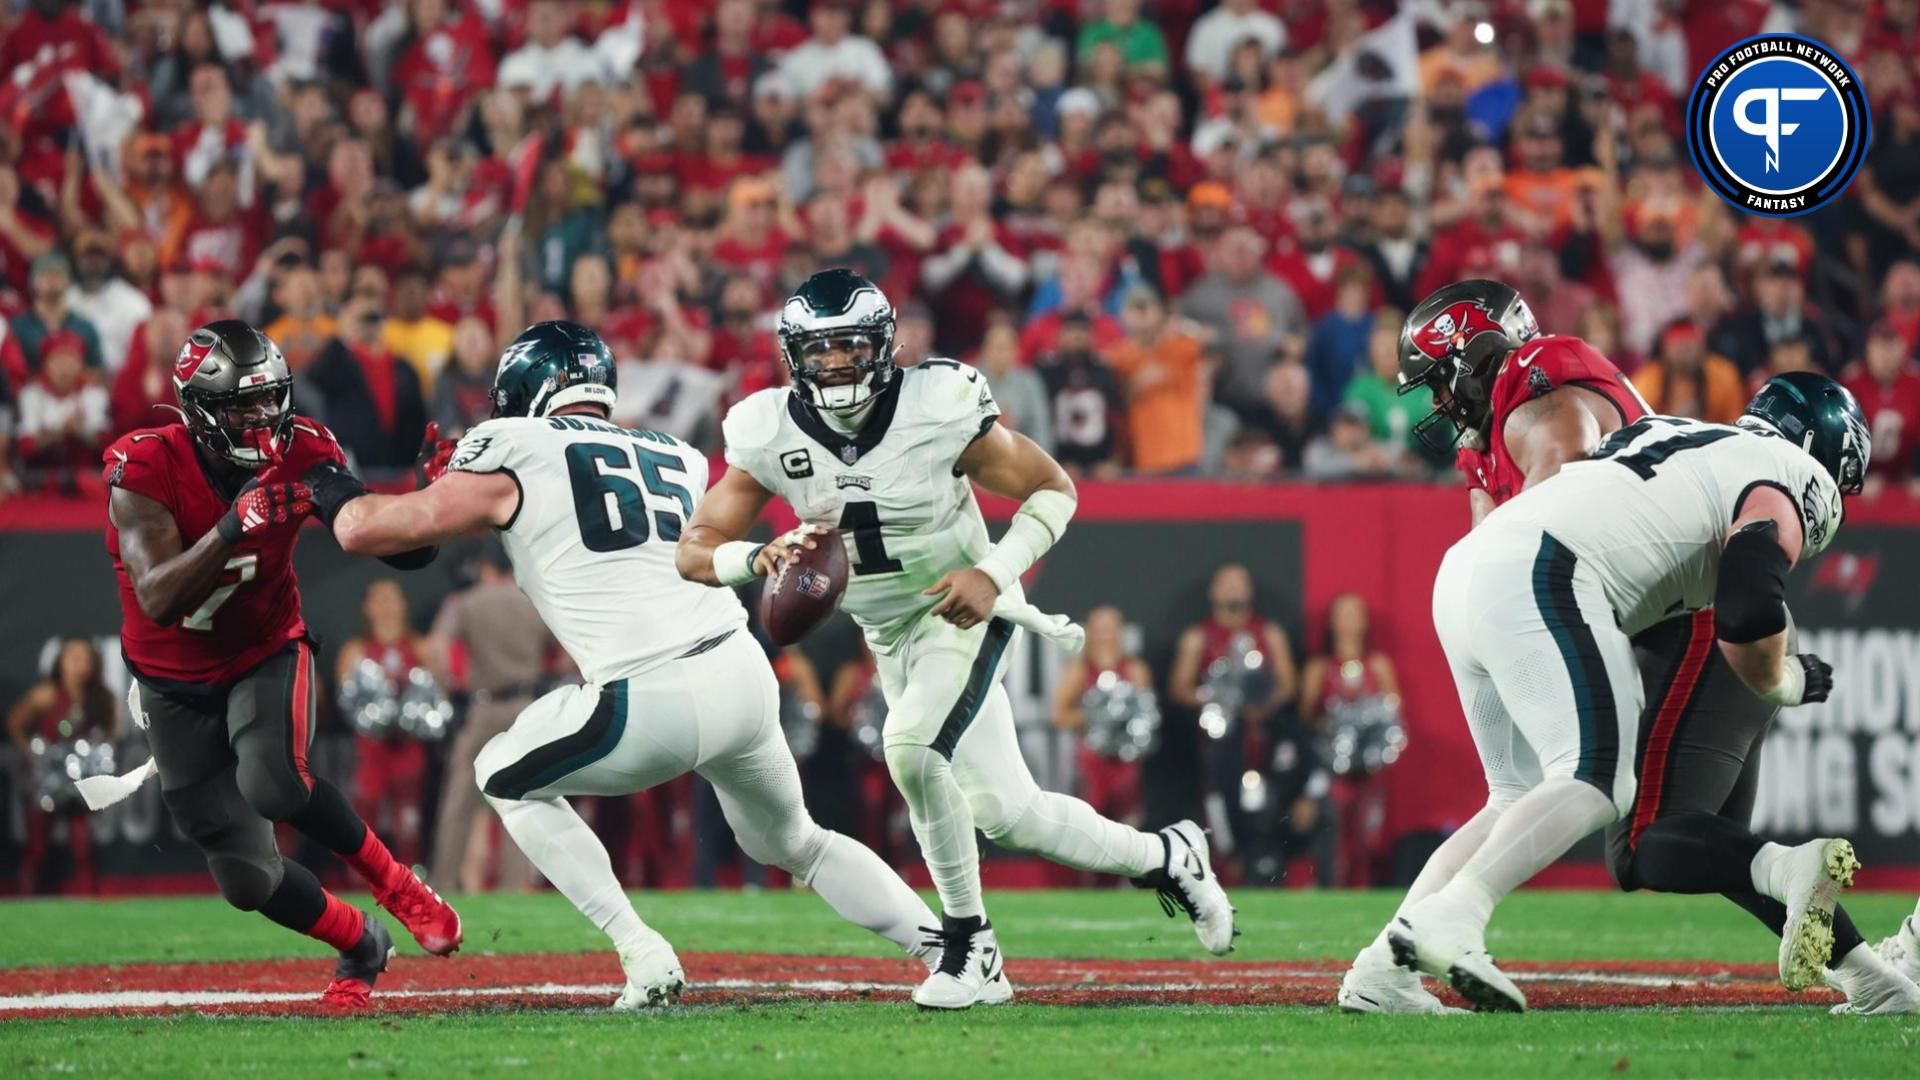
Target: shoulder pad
755, 420
948, 390
486, 446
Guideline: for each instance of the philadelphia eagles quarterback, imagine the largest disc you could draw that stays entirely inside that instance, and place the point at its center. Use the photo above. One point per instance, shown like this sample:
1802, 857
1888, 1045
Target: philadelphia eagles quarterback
887, 456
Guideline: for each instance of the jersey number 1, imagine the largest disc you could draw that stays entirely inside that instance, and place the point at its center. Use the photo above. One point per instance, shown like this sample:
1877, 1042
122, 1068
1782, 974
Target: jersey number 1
1643, 460
869, 545
611, 509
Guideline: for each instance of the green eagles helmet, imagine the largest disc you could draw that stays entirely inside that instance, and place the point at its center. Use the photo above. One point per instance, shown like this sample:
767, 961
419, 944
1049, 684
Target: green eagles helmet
1819, 416
1453, 343
838, 308
552, 365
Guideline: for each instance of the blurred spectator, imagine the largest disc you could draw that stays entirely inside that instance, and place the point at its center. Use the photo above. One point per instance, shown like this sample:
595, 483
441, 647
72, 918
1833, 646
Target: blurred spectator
1886, 381
304, 326
24, 237
489, 641
1375, 392
1241, 664
1338, 347
70, 703
1650, 273
63, 414
1780, 311
552, 60
913, 334
1900, 301
50, 314
1556, 302
1683, 379
1019, 392
1109, 782
1314, 266
103, 298
1088, 403
1164, 372
833, 53
1394, 250
1289, 417
390, 764
1710, 307
1788, 354
1351, 672
463, 394
446, 60
161, 205
750, 240
225, 234
1215, 35
143, 388
1139, 42
728, 70
462, 289
370, 398
1349, 450
1249, 457
1079, 282
1252, 315
978, 266
415, 334
8, 483
1888, 186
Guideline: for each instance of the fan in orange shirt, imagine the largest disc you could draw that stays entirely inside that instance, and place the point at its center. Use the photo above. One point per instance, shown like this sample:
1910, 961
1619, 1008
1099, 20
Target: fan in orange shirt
1164, 371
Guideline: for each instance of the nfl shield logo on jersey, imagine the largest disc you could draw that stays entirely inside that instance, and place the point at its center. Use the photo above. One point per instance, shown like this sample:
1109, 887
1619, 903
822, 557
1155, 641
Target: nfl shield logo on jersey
849, 454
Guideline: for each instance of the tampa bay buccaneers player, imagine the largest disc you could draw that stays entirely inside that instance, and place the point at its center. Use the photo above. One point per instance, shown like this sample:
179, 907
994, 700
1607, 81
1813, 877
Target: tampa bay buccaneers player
205, 515
1519, 405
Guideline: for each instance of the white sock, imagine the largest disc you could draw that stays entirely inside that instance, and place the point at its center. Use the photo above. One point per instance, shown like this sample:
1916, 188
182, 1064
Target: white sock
1446, 861
867, 893
1071, 832
564, 849
943, 824
1538, 828
1762, 867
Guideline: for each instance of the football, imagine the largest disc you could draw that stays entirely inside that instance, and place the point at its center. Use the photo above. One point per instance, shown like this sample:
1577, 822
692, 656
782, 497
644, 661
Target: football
806, 590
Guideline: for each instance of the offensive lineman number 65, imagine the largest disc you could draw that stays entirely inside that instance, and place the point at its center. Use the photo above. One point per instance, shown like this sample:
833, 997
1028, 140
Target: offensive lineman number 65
202, 618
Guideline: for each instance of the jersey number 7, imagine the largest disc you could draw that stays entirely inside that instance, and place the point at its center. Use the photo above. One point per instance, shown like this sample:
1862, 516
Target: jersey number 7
610, 506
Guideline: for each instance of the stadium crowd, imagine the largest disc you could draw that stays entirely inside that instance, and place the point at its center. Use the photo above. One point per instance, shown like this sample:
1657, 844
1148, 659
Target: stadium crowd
1178, 236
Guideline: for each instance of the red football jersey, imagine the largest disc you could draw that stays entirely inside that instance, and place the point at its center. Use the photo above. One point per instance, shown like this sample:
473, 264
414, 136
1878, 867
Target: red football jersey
1541, 366
255, 609
1893, 415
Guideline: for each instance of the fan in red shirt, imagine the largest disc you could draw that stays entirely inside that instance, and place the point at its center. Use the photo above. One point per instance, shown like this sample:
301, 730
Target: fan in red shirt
205, 517
449, 61
1312, 263
751, 242
224, 236
1887, 385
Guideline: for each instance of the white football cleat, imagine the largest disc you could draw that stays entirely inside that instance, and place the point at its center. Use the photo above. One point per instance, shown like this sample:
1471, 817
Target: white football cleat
1901, 949
1873, 986
1809, 879
1389, 990
1187, 883
970, 972
654, 977
1429, 939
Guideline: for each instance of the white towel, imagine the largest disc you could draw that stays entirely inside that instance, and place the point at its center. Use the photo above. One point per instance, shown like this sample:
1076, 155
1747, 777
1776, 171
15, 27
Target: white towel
103, 791
1062, 631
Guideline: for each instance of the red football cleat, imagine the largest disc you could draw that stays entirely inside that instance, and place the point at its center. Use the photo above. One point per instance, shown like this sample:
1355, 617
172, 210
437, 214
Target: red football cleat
431, 920
352, 987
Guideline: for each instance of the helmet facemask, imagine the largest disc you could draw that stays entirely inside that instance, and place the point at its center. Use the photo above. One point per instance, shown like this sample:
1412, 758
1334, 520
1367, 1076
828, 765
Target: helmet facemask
839, 386
250, 427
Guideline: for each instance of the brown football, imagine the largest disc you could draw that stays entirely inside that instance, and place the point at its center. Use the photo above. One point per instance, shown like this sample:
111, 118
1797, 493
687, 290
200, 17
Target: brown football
805, 591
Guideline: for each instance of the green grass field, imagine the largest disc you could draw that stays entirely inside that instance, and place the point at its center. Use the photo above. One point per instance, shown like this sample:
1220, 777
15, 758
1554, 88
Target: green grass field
797, 1036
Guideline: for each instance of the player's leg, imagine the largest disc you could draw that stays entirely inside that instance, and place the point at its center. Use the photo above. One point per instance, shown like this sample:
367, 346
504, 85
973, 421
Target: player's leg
269, 716
758, 786
1567, 677
594, 740
1012, 810
199, 787
935, 683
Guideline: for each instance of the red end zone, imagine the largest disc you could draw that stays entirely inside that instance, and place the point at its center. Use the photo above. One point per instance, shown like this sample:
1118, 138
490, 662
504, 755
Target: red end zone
574, 981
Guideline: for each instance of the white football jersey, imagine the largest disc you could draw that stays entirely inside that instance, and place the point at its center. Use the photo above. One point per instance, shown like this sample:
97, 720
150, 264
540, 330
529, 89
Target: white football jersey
601, 508
892, 489
1651, 509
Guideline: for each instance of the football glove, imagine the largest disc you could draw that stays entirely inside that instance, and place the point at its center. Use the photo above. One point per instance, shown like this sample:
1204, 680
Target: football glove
435, 452
334, 486
260, 507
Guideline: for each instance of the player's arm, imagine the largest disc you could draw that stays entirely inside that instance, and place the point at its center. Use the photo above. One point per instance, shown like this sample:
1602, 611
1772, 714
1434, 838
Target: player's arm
1550, 431
388, 525
1750, 610
1007, 463
1183, 682
1067, 713
1480, 504
169, 579
713, 548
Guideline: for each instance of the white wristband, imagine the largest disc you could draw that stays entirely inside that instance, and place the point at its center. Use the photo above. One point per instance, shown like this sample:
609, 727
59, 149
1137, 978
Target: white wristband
733, 562
1041, 522
1792, 685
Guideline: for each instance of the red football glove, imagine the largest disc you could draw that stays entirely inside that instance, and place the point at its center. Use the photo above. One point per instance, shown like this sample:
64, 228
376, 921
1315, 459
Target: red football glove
260, 507
435, 452
1473, 465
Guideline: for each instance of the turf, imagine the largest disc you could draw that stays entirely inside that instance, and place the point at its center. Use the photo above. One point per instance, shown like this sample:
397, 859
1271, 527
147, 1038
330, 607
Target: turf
801, 1038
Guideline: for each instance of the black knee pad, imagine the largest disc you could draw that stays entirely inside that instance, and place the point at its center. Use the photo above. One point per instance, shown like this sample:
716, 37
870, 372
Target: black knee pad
237, 843
274, 793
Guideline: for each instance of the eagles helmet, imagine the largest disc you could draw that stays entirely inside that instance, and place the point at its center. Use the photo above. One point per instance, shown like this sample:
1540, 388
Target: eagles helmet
1819, 416
552, 365
236, 393
1453, 343
838, 309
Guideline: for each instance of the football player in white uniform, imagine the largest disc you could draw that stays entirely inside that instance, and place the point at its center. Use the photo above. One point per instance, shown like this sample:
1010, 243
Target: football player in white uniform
589, 513
1535, 608
887, 456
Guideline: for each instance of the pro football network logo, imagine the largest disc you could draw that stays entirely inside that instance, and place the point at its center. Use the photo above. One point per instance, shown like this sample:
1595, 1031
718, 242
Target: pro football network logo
1778, 125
